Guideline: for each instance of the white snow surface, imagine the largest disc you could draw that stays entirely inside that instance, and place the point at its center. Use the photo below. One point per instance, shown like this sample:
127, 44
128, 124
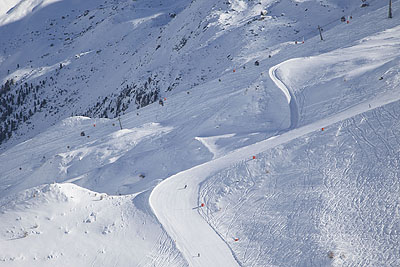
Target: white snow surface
66, 225
289, 162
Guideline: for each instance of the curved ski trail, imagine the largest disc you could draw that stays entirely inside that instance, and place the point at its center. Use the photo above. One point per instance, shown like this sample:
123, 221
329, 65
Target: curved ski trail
294, 109
176, 206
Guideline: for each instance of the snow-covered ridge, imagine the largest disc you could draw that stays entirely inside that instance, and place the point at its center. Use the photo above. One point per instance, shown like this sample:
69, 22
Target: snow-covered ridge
267, 147
65, 225
13, 10
59, 55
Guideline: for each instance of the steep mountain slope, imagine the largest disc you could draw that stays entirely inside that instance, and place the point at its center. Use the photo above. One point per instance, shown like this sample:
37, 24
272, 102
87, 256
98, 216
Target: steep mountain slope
328, 198
105, 58
291, 146
331, 197
314, 195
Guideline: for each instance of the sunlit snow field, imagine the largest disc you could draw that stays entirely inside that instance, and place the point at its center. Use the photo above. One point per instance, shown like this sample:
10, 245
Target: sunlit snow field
264, 153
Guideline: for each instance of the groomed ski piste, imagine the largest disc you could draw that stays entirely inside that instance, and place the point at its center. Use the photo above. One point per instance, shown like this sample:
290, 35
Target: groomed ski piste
175, 211
290, 163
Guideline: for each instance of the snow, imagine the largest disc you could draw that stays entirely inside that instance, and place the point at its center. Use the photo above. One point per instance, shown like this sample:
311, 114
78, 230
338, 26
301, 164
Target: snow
176, 208
211, 143
13, 10
319, 80
172, 209
294, 158
316, 193
65, 225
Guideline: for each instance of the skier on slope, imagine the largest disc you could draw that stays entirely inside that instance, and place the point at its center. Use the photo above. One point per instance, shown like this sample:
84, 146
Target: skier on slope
161, 102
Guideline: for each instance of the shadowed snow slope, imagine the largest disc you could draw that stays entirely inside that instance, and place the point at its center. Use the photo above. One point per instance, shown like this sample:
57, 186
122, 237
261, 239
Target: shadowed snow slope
291, 147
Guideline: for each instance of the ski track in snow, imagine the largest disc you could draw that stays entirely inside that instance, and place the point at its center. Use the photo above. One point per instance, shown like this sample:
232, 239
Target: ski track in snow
177, 207
294, 110
178, 212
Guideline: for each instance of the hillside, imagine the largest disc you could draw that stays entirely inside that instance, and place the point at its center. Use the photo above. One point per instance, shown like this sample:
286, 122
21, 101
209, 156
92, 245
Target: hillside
62, 65
69, 226
270, 147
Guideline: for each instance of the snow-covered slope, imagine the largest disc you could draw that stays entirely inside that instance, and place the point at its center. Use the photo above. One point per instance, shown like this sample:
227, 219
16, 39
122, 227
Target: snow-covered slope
65, 225
291, 147
62, 65
330, 197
